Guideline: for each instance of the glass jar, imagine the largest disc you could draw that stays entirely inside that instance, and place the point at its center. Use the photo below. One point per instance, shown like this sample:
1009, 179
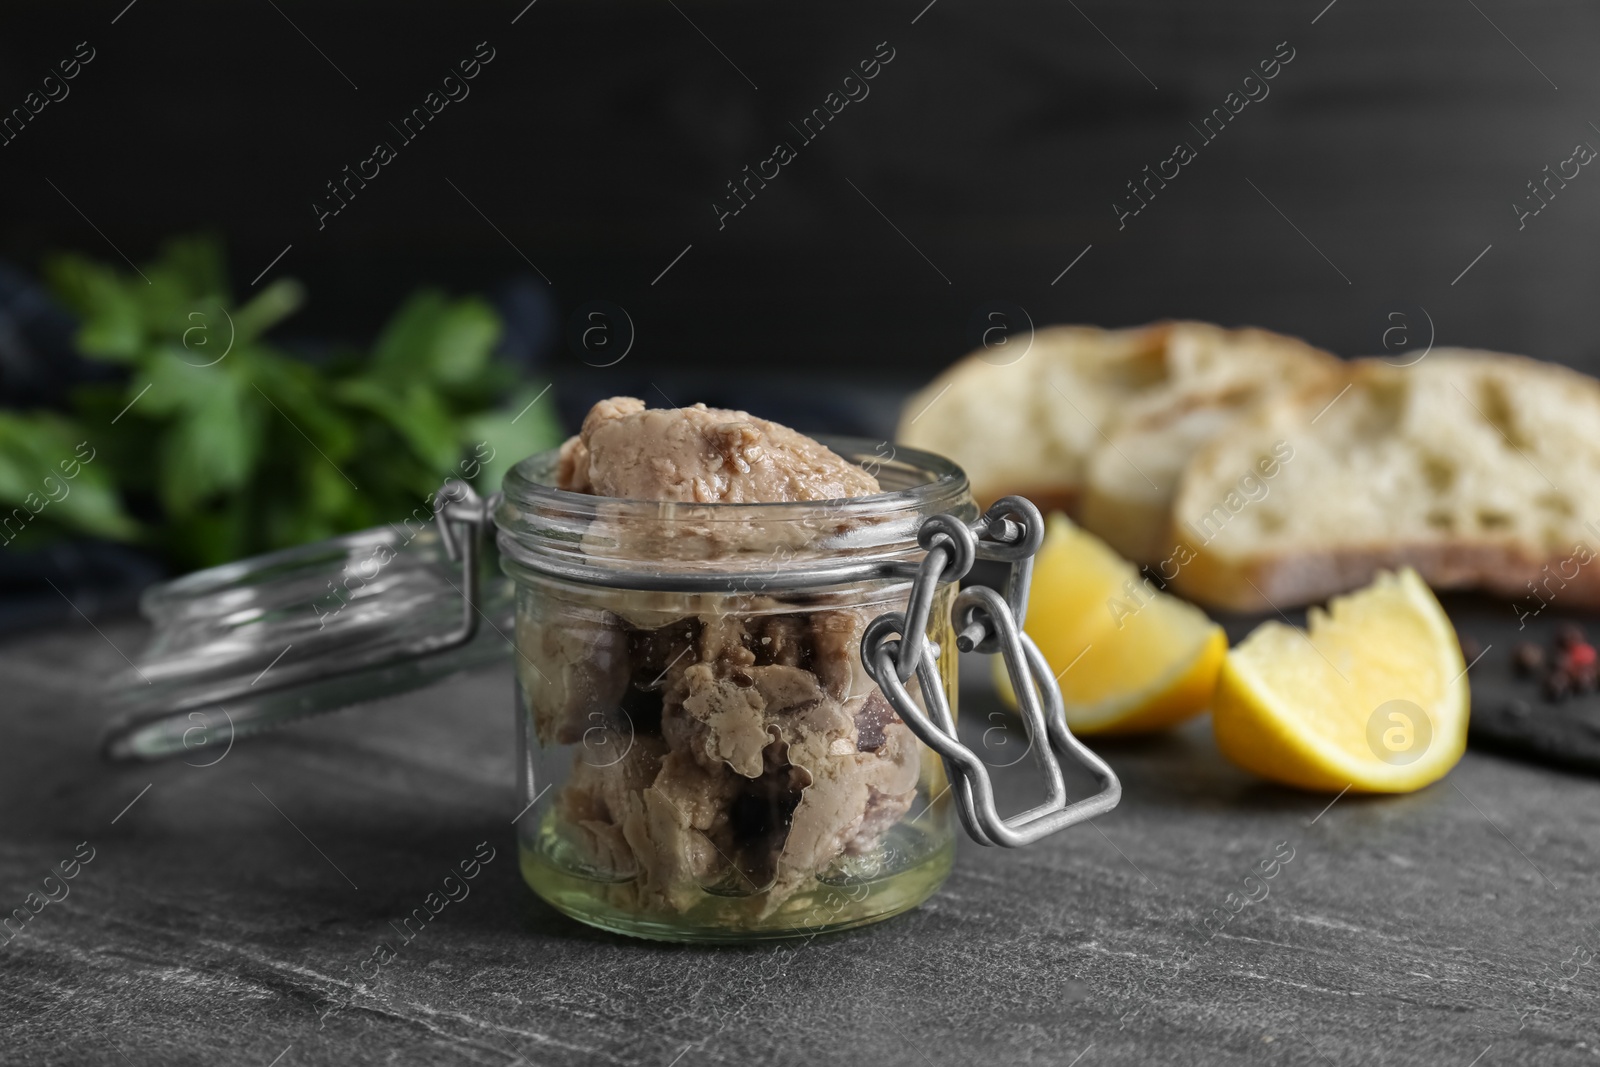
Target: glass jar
722, 709
703, 756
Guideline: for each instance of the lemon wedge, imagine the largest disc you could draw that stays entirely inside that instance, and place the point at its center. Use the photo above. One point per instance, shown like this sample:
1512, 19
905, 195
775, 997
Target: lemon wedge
1129, 658
1374, 697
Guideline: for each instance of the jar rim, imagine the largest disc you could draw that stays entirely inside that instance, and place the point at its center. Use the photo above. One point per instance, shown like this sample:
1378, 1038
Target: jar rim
947, 479
671, 545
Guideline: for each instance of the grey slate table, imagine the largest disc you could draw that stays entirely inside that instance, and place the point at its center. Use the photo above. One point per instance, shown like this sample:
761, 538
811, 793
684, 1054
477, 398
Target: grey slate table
226, 914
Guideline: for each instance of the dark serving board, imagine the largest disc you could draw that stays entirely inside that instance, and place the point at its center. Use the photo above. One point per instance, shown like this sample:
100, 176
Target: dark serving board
1510, 715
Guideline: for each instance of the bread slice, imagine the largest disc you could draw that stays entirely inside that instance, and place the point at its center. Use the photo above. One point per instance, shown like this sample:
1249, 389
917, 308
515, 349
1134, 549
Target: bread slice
1217, 377
1100, 423
1029, 426
1480, 470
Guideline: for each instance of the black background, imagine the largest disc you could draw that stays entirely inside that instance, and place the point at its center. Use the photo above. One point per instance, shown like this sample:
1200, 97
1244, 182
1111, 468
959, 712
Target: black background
997, 140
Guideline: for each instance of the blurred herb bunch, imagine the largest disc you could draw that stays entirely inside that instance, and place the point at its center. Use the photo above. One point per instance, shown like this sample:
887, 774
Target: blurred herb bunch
220, 445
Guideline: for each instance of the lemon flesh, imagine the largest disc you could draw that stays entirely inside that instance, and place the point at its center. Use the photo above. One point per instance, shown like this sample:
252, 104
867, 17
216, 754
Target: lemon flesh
1373, 696
1127, 657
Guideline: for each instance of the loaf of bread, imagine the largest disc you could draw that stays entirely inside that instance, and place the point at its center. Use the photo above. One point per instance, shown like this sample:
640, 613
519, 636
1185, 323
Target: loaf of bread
1100, 423
1479, 470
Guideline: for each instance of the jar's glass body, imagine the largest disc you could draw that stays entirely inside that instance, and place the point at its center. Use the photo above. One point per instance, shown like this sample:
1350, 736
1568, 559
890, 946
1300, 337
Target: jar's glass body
716, 764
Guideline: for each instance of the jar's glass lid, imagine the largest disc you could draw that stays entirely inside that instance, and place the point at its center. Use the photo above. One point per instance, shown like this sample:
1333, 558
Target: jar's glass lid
251, 645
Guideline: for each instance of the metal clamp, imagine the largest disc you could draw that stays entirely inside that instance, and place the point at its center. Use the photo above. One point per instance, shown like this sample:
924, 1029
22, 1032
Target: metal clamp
895, 647
461, 505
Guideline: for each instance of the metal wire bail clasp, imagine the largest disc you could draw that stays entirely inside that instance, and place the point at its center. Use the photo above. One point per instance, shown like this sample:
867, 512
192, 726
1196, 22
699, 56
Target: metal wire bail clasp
458, 505
895, 647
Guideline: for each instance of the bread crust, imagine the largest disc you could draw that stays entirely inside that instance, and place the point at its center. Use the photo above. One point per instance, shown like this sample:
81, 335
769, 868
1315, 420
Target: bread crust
1270, 582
